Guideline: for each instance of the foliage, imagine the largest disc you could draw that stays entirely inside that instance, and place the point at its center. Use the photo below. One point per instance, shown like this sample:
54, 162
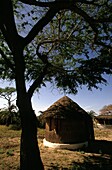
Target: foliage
16, 126
106, 110
41, 122
7, 94
92, 113
9, 115
10, 118
78, 51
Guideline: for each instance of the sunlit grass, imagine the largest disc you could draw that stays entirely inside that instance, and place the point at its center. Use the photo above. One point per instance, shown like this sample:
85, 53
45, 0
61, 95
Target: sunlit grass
53, 158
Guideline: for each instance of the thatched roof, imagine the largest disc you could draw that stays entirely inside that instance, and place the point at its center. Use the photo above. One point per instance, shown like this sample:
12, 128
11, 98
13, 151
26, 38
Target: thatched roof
65, 108
104, 117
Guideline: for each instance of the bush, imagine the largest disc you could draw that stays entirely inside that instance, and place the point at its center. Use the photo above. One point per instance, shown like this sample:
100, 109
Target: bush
10, 118
40, 122
15, 127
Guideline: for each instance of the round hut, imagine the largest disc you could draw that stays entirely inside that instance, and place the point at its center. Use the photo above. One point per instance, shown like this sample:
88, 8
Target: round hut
67, 125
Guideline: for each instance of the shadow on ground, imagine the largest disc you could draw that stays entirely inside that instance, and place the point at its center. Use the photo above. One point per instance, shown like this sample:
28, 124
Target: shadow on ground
100, 159
94, 162
100, 146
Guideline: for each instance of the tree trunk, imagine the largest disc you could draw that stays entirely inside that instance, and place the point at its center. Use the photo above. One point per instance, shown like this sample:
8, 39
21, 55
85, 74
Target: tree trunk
29, 150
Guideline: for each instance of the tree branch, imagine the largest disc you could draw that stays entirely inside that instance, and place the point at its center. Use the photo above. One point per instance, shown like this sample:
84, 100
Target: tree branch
38, 81
101, 43
43, 57
38, 3
103, 20
40, 25
3, 96
56, 3
7, 23
87, 18
56, 6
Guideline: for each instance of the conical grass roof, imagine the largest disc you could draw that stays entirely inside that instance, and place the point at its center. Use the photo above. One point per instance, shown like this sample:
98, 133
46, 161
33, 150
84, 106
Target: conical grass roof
65, 108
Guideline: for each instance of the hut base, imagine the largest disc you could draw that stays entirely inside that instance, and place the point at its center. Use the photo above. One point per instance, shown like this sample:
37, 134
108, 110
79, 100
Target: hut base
65, 146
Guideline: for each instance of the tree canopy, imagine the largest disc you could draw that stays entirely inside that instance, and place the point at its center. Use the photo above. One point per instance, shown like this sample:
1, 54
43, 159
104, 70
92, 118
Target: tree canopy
7, 93
92, 113
68, 43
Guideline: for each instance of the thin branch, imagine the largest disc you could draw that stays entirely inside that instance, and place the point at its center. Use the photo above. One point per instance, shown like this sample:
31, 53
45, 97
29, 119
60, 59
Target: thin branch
13, 99
89, 2
87, 18
101, 43
43, 57
47, 18
3, 97
55, 40
6, 97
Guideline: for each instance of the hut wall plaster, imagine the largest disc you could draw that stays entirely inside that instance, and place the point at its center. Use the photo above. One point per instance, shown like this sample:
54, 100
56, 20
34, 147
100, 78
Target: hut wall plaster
65, 146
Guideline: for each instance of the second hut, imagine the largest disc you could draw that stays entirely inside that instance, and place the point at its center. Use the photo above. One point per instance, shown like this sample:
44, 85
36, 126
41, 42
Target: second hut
67, 125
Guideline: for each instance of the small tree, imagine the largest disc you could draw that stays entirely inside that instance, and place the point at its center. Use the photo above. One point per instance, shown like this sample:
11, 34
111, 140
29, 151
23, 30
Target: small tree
92, 113
8, 115
7, 94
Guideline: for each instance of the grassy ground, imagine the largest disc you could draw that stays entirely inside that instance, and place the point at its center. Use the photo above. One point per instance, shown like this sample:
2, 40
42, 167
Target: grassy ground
97, 156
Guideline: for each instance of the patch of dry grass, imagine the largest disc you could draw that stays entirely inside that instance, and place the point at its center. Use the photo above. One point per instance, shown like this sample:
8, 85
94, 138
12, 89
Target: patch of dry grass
103, 133
97, 156
9, 148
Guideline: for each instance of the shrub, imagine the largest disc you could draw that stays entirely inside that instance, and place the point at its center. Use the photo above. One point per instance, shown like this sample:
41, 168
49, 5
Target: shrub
10, 118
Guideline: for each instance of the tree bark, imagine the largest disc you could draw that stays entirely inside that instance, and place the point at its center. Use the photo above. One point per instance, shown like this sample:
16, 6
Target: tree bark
29, 151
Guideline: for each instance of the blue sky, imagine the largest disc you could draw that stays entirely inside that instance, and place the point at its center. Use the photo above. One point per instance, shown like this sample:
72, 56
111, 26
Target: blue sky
88, 100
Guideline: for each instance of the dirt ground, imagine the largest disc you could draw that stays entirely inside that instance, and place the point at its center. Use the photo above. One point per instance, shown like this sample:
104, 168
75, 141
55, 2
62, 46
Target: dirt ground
97, 156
